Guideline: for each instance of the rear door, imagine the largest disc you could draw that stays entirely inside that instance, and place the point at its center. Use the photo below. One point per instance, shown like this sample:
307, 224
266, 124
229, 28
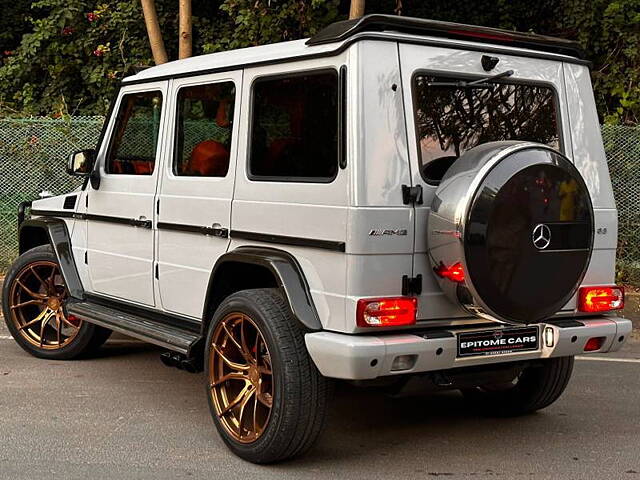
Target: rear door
445, 121
120, 235
194, 202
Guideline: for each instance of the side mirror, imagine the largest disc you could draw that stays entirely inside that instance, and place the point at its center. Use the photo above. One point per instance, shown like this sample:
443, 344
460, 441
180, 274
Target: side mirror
81, 163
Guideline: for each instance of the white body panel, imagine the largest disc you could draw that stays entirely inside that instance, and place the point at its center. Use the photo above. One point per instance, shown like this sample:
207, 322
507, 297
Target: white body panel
185, 259
121, 257
297, 209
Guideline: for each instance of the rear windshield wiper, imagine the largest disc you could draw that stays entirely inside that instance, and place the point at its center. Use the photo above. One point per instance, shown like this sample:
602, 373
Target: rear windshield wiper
480, 83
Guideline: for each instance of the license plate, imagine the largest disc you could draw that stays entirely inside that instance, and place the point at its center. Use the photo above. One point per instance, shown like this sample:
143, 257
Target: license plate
498, 342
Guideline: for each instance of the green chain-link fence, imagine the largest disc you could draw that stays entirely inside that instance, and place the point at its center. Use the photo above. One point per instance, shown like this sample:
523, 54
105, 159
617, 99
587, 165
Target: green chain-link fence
33, 153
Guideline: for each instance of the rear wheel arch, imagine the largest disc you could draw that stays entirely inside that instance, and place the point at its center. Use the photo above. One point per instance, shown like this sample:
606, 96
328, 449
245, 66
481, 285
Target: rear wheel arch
259, 267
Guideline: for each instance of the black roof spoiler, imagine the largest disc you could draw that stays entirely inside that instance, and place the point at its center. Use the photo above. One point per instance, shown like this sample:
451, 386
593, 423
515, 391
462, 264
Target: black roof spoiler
376, 23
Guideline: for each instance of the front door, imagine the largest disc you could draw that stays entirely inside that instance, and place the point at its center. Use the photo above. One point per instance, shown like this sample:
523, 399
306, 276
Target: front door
120, 236
194, 201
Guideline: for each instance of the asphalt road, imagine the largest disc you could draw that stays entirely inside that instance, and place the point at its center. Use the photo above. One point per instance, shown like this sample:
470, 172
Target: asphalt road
125, 415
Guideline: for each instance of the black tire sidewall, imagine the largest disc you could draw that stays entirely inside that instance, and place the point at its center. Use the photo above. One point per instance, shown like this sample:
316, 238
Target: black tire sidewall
284, 367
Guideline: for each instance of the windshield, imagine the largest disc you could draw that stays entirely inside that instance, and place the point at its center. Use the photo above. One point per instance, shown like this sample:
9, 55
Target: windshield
453, 119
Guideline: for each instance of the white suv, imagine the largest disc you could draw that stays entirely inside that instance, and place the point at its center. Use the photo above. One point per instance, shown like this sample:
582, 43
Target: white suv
394, 199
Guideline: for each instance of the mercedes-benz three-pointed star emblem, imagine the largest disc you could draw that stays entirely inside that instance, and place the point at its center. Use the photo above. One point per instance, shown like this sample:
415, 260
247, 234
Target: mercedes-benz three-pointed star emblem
541, 236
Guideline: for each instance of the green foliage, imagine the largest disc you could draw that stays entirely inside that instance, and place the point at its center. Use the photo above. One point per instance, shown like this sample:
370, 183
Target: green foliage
71, 61
76, 50
610, 32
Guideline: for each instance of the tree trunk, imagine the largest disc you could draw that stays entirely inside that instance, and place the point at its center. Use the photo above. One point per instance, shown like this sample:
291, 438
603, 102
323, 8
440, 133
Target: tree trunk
185, 44
153, 30
357, 9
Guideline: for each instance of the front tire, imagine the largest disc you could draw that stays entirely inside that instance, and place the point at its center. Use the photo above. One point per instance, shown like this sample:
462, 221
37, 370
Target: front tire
535, 388
33, 300
267, 398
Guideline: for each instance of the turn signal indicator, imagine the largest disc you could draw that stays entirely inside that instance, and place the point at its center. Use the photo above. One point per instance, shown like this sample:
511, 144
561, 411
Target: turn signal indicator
600, 299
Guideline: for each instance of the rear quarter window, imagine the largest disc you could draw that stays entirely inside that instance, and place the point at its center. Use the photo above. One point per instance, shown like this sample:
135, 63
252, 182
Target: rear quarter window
452, 119
294, 128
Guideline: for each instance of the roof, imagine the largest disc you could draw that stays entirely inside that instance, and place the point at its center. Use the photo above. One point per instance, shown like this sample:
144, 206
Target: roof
264, 54
337, 36
419, 26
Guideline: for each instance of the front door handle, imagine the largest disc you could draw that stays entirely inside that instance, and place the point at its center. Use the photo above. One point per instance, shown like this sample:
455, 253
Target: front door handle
142, 221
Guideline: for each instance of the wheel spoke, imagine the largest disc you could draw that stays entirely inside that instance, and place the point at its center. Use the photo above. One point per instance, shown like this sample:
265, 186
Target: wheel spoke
58, 327
256, 429
35, 320
232, 338
230, 376
52, 277
38, 296
236, 401
230, 363
45, 322
243, 405
28, 302
245, 349
35, 274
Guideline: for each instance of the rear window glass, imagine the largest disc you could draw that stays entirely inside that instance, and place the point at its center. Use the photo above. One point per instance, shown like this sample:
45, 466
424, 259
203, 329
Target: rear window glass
294, 130
451, 120
203, 136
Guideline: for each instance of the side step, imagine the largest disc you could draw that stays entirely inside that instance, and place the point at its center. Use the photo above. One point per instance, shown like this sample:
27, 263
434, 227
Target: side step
171, 337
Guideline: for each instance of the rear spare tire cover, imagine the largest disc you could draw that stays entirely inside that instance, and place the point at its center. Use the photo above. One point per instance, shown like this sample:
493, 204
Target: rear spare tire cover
517, 217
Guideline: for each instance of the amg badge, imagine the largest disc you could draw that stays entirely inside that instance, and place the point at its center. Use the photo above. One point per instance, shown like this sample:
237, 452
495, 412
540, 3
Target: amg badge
388, 231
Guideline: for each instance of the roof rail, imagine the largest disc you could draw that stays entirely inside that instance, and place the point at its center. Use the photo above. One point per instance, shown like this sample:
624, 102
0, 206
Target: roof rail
418, 26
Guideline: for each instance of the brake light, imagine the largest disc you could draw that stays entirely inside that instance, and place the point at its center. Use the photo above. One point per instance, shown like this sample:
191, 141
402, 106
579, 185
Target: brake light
600, 299
386, 312
485, 36
455, 272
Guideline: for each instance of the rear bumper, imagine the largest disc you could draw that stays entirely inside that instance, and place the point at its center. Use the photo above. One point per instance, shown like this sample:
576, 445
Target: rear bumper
361, 357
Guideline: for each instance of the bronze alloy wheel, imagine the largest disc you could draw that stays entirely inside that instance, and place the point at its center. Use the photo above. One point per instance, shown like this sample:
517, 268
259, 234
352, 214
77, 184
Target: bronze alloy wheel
240, 377
36, 301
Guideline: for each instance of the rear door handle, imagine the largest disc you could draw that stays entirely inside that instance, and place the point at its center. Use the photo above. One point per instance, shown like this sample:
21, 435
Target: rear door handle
216, 230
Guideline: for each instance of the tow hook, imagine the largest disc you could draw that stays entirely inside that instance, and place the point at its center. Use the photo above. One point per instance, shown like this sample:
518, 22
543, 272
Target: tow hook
441, 380
182, 362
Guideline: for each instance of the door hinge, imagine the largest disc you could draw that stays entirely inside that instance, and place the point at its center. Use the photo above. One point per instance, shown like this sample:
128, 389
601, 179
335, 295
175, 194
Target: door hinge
412, 195
411, 285
86, 257
157, 272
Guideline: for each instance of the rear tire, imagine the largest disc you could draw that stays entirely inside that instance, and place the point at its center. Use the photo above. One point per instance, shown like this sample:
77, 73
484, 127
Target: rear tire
35, 282
535, 388
290, 399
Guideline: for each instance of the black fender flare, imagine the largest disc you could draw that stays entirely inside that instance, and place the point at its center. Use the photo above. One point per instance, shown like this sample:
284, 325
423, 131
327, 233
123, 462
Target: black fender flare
289, 278
60, 240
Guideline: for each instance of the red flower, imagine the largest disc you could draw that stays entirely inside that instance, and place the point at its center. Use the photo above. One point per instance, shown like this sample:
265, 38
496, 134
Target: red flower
66, 31
98, 52
8, 53
92, 17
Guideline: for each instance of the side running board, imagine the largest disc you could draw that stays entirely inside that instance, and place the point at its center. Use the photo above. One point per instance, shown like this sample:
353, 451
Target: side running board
159, 333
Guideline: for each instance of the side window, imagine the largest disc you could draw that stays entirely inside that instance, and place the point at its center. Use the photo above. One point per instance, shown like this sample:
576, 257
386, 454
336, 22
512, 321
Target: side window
203, 131
135, 137
294, 128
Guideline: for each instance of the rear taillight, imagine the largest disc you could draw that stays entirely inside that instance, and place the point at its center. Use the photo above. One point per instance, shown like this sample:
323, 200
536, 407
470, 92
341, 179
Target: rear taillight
600, 299
386, 312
